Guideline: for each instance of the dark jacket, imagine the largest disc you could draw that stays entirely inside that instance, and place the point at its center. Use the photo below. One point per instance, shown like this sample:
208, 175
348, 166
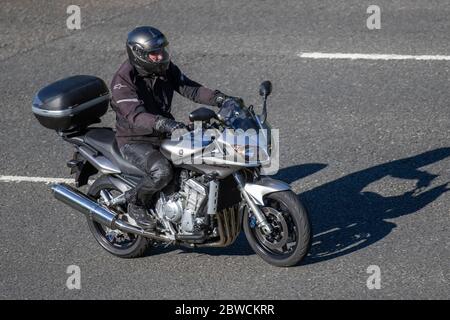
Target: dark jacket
138, 101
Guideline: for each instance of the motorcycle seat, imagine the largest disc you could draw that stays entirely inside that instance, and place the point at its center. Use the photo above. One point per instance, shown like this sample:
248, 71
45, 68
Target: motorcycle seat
104, 140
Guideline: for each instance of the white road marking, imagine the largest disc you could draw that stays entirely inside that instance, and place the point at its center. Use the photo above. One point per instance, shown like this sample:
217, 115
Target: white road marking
35, 179
358, 56
325, 232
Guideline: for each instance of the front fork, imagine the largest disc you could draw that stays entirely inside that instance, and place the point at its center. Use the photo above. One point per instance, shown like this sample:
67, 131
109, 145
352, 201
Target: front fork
261, 220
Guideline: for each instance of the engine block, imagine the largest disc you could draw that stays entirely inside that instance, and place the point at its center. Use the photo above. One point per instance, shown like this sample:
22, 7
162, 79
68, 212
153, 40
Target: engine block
182, 208
194, 194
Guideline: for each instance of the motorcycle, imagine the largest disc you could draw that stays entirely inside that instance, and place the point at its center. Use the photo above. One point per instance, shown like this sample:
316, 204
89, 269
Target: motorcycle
211, 197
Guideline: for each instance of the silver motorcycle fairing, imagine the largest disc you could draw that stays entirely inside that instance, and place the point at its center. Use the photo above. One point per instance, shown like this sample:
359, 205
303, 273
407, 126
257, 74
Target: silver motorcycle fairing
101, 163
263, 187
211, 147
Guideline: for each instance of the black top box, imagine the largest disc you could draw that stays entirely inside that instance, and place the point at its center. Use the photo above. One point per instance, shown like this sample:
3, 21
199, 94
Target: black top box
73, 102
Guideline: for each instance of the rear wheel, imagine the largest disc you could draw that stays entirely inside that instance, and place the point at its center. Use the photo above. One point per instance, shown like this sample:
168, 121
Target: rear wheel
116, 242
290, 240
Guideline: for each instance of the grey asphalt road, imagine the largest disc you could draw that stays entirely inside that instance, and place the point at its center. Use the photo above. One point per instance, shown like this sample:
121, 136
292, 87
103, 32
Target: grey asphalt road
363, 143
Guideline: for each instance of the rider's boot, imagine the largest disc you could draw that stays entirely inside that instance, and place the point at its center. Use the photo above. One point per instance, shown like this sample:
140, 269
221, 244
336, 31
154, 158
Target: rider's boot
141, 216
138, 212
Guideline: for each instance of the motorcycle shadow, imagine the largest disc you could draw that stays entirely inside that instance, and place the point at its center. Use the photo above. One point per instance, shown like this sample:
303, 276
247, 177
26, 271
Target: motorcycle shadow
241, 247
345, 218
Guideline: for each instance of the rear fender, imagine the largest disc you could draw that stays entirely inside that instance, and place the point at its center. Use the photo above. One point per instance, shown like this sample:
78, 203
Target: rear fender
82, 169
107, 179
84, 172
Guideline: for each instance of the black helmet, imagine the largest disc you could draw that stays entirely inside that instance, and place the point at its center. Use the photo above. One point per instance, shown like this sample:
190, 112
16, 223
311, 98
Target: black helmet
148, 51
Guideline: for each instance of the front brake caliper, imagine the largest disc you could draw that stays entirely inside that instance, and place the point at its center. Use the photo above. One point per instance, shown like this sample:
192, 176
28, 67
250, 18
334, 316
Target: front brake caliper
252, 221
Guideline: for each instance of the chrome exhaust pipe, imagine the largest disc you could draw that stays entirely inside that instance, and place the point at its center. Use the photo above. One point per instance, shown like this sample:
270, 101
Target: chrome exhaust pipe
94, 211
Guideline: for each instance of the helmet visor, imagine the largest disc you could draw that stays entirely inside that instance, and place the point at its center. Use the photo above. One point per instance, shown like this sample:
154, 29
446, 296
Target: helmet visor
159, 55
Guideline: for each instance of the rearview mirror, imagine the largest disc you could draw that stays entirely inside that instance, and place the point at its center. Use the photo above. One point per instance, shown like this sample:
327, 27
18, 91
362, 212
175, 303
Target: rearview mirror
265, 88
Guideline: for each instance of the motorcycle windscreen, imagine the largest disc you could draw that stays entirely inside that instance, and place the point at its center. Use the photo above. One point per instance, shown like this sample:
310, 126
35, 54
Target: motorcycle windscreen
236, 116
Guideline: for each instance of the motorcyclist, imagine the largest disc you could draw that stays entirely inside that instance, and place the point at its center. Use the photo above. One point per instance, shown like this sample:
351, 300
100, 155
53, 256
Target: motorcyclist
142, 91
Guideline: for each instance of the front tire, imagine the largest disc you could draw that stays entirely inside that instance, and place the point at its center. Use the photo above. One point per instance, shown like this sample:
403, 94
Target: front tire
290, 241
130, 246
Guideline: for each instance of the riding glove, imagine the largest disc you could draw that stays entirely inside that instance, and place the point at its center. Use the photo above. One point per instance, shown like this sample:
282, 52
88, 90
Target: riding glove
166, 125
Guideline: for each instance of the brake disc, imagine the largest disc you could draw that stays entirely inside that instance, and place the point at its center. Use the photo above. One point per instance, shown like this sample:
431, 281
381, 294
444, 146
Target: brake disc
279, 237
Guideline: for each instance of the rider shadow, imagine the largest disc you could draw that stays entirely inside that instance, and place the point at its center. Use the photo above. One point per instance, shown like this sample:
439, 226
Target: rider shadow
345, 218
241, 247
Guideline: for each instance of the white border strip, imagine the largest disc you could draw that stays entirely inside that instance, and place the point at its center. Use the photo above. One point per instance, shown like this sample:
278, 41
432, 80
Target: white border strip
361, 56
35, 179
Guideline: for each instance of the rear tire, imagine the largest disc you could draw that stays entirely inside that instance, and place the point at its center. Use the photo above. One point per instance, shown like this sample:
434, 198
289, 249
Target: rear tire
134, 248
279, 206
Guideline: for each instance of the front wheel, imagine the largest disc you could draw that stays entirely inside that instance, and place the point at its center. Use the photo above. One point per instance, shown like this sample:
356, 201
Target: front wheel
290, 240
